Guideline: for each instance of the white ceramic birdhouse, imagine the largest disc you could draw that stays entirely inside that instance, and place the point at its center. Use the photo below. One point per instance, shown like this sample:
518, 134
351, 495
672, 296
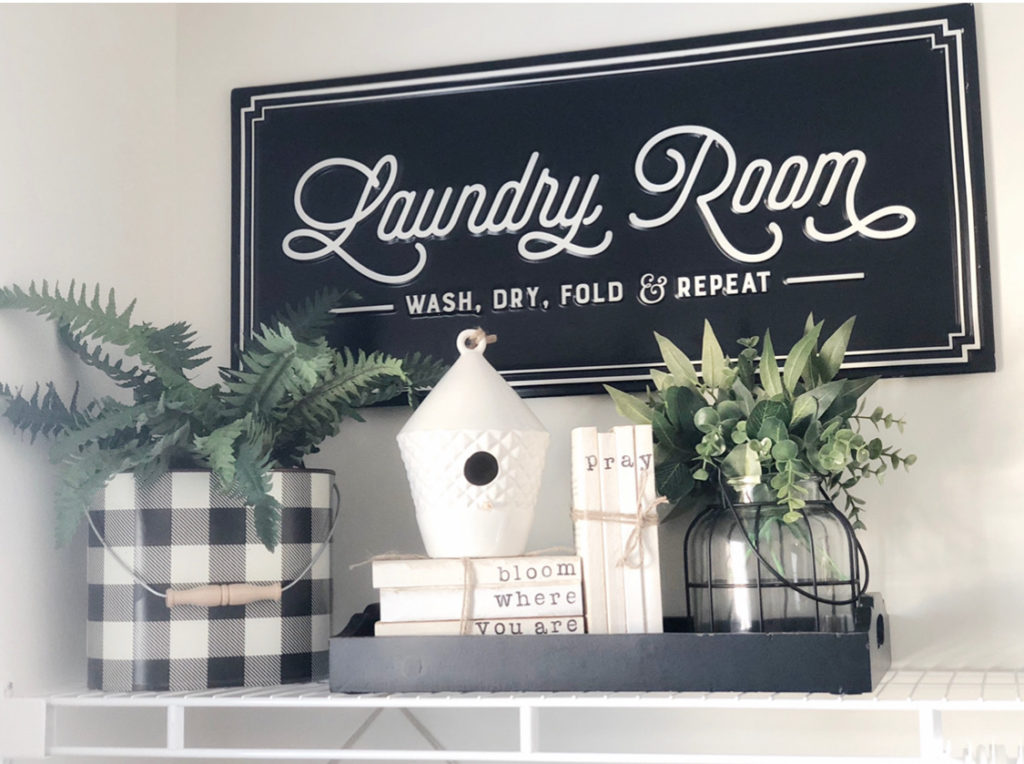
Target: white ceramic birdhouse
474, 454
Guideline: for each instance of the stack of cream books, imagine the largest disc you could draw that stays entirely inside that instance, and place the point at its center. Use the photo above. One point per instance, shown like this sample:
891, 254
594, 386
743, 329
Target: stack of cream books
616, 528
492, 596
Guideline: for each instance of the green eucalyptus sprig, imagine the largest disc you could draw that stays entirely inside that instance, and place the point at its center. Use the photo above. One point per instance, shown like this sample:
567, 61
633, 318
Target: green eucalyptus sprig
745, 417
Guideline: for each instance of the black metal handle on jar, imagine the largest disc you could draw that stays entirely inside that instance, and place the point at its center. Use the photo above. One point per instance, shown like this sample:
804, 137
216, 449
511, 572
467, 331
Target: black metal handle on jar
827, 502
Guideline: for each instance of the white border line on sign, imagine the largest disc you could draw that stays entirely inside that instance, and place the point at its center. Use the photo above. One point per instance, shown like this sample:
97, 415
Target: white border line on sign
470, 81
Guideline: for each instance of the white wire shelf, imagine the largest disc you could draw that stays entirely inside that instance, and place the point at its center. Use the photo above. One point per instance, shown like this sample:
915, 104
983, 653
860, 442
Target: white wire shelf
896, 691
926, 695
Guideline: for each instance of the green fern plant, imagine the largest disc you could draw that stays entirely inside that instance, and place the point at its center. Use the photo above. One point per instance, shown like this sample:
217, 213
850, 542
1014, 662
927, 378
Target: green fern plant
290, 392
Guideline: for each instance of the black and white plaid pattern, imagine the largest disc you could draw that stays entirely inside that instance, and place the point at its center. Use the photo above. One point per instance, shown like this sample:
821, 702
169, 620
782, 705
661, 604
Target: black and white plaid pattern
183, 532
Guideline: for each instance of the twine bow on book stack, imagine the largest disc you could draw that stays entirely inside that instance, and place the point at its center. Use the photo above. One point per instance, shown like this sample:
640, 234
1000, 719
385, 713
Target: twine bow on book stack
615, 519
468, 582
646, 516
468, 588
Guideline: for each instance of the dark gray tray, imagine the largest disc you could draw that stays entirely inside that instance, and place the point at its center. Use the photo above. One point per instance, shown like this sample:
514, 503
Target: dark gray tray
675, 661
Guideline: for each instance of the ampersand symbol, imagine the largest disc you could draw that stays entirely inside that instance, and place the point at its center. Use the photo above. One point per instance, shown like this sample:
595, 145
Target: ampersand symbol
652, 289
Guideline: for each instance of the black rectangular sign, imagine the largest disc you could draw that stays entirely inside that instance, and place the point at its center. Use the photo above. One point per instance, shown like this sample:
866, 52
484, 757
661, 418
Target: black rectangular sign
575, 203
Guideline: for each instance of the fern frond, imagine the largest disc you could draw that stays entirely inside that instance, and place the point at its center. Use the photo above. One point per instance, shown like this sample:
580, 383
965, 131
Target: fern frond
274, 368
133, 377
360, 375
68, 502
85, 472
166, 351
174, 343
252, 485
84, 475
46, 416
148, 473
352, 380
164, 452
423, 371
203, 407
371, 379
312, 317
78, 312
219, 448
117, 423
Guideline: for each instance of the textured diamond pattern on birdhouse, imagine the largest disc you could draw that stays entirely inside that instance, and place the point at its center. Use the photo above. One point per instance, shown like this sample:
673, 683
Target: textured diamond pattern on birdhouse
436, 464
474, 454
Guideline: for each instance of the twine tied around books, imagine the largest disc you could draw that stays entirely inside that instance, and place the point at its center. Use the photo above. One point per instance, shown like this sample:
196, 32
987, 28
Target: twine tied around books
646, 516
468, 577
468, 582
468, 587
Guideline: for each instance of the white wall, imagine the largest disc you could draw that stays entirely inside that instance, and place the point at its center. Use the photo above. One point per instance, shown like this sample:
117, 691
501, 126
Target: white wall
86, 191
115, 162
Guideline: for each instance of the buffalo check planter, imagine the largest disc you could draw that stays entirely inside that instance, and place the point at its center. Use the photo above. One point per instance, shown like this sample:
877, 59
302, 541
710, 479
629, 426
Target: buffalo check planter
182, 532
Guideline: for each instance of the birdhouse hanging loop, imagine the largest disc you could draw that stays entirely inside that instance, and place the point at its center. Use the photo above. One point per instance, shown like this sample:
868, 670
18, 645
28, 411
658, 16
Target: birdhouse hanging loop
474, 454
474, 339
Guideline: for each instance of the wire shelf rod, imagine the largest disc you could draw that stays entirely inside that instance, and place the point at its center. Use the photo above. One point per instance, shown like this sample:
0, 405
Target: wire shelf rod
261, 754
892, 701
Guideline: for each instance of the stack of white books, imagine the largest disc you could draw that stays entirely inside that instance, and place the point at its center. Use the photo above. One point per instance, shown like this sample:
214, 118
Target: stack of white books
615, 527
493, 596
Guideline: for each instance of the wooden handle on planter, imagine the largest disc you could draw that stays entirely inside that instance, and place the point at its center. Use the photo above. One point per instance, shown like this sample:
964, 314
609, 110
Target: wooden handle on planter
217, 595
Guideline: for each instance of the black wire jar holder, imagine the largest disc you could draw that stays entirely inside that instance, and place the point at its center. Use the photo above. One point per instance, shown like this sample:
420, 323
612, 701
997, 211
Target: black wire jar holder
746, 569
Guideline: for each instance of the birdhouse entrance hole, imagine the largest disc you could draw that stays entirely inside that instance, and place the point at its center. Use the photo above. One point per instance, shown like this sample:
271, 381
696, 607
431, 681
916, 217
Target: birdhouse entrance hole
481, 468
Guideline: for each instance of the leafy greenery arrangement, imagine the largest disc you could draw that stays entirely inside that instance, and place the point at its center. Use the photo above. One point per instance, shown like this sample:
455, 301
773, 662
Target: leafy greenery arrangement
290, 393
744, 419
